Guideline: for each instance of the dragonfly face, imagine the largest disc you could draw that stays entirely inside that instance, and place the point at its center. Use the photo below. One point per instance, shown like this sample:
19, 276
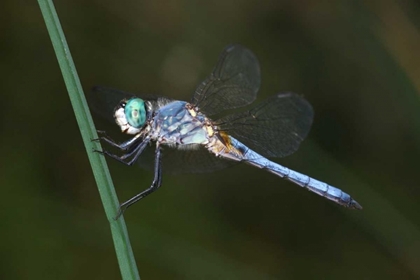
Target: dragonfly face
130, 115
272, 128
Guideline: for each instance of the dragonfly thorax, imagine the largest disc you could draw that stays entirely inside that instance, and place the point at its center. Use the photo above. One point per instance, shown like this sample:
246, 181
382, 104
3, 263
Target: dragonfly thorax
177, 125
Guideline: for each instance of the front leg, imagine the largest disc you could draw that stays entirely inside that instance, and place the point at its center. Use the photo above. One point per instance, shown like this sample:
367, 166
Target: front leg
122, 146
157, 182
136, 151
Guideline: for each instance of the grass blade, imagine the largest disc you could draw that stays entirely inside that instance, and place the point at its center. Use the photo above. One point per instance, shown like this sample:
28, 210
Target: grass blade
87, 129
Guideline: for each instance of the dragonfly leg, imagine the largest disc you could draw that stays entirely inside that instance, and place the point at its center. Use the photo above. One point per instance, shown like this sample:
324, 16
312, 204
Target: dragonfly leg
102, 132
157, 181
122, 146
135, 151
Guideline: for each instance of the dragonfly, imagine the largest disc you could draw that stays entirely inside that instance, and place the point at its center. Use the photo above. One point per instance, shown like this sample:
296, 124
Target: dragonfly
199, 136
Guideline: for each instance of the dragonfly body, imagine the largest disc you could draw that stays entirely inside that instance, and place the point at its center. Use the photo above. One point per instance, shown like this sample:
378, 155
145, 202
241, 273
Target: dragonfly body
179, 125
273, 128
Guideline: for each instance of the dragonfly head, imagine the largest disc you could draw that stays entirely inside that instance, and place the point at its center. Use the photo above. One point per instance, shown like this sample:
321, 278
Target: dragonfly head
130, 115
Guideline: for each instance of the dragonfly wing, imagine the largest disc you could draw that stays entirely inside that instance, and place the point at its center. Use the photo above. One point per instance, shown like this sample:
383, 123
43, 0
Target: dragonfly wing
176, 161
103, 101
274, 127
233, 83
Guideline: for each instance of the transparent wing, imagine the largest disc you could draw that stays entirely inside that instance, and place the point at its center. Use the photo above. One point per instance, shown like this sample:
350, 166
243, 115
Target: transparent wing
103, 100
183, 161
273, 128
233, 83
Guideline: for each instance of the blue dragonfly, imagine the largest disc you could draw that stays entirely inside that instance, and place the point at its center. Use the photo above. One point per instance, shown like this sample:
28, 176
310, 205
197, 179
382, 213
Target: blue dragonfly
178, 136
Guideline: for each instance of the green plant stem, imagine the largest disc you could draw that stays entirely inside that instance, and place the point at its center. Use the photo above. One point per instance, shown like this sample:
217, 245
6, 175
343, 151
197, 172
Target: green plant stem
87, 129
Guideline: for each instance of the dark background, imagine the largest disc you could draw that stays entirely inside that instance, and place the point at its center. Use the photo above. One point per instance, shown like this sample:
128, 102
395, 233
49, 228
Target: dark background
357, 62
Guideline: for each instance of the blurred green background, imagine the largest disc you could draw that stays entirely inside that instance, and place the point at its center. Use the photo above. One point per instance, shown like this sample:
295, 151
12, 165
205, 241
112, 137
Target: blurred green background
357, 62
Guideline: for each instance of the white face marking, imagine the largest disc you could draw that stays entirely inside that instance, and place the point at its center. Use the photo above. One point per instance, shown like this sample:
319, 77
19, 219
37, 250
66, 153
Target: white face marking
121, 120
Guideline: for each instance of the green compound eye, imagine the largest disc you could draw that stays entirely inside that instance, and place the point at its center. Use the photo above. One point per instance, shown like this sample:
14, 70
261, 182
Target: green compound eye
135, 112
